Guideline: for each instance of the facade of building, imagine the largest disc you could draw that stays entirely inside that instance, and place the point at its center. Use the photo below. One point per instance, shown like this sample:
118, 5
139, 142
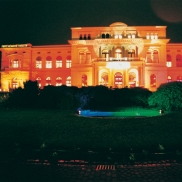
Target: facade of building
116, 56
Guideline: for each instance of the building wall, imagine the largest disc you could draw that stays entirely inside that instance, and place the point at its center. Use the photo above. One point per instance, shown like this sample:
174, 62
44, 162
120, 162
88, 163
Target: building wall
116, 56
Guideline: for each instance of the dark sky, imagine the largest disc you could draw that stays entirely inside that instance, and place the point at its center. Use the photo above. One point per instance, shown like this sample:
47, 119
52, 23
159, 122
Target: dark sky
42, 22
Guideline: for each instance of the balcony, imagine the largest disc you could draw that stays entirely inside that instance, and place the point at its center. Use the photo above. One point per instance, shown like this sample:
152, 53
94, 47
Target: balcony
111, 59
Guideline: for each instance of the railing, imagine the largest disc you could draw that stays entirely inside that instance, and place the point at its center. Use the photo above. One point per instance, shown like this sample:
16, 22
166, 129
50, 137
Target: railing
118, 59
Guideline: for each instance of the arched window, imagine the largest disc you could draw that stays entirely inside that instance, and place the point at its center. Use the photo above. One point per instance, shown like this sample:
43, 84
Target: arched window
118, 80
120, 36
14, 83
85, 37
81, 57
48, 62
89, 36
147, 36
15, 63
104, 79
84, 80
132, 79
148, 57
105, 54
169, 79
68, 81
81, 37
168, 61
116, 36
155, 56
48, 81
131, 53
118, 53
38, 62
103, 36
153, 80
129, 36
88, 58
59, 62
133, 36
179, 78
58, 81
156, 36
39, 81
68, 62
178, 60
107, 36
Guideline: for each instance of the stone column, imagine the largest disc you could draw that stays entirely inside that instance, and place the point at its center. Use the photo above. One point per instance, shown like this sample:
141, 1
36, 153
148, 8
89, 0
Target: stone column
126, 79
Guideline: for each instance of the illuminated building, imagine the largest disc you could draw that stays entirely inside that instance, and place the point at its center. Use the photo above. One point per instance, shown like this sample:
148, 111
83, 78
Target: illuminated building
116, 56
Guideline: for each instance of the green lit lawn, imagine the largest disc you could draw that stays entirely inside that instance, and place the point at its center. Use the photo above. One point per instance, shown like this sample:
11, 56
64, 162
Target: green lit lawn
59, 130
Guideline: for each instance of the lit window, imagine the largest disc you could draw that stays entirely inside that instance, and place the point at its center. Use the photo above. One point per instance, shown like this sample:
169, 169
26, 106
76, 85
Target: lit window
133, 36
48, 81
132, 79
152, 36
39, 81
15, 63
104, 79
48, 62
169, 62
118, 53
156, 36
84, 80
179, 78
39, 62
120, 36
147, 36
68, 81
152, 80
118, 80
58, 81
59, 62
14, 83
116, 36
169, 79
68, 62
129, 36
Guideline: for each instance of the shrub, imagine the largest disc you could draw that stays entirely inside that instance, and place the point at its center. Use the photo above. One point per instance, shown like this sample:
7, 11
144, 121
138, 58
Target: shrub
167, 97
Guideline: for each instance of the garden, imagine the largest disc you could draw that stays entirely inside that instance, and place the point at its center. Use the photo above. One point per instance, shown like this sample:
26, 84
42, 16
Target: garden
54, 125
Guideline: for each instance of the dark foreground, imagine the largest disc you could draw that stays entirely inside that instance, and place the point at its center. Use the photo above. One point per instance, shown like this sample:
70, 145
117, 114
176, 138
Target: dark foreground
36, 171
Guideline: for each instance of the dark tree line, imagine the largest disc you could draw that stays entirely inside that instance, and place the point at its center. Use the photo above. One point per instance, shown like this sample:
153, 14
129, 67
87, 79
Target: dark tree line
71, 98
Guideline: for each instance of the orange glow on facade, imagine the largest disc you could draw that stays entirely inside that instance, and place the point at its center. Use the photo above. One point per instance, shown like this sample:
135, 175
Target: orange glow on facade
115, 56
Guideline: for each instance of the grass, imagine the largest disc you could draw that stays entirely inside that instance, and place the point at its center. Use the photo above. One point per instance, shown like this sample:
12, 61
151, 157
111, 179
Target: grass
55, 129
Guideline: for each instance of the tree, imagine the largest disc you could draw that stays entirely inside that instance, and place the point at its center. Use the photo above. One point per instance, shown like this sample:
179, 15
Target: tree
167, 97
139, 96
26, 98
31, 93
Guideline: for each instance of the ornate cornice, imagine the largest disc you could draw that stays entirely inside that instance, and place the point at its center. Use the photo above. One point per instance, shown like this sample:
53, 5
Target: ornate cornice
117, 41
81, 42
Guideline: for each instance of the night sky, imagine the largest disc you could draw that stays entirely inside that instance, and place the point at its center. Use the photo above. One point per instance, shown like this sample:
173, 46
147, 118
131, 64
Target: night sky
45, 22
